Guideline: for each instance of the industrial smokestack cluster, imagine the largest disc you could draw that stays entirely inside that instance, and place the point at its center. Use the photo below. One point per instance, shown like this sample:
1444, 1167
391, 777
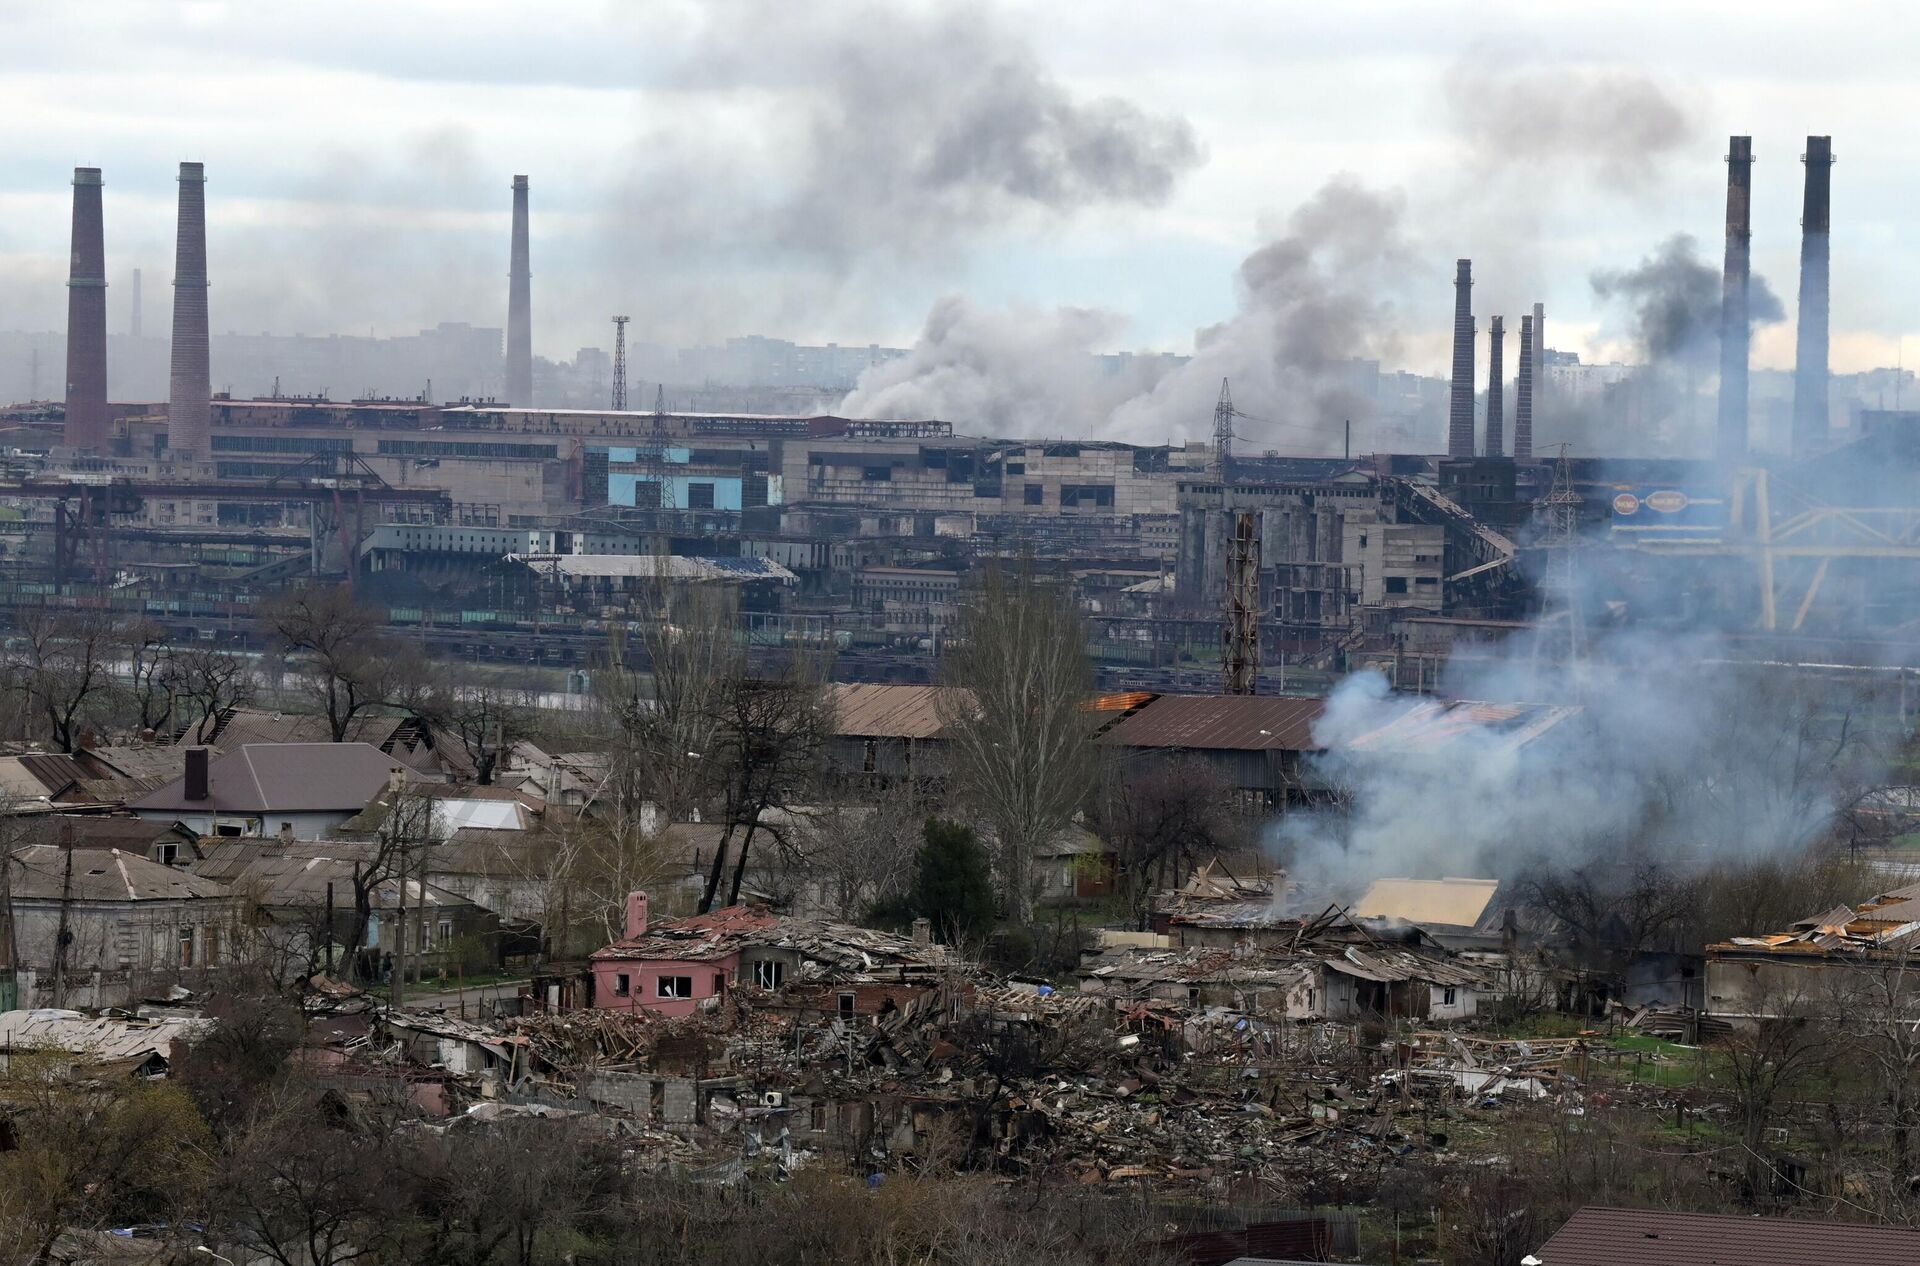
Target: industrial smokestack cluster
87, 426
519, 306
190, 395
1735, 284
1810, 353
1460, 400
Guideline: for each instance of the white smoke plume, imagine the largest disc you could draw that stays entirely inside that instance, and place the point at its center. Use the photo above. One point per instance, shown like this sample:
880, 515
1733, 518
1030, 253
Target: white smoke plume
1348, 279
1311, 300
1667, 749
1018, 373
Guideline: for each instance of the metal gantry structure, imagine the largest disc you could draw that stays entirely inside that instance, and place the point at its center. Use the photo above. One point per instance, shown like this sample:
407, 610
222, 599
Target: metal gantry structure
619, 364
1240, 631
1560, 635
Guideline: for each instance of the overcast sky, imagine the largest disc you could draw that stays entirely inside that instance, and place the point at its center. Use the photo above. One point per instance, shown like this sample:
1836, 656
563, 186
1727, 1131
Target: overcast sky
833, 171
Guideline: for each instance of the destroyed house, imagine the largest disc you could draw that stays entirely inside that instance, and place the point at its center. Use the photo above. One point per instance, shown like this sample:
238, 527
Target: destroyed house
1332, 982
1360, 967
1748, 976
1597, 1236
673, 967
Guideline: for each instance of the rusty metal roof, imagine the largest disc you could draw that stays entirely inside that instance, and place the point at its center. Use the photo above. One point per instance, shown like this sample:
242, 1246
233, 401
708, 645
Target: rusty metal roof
1651, 1237
1282, 723
888, 711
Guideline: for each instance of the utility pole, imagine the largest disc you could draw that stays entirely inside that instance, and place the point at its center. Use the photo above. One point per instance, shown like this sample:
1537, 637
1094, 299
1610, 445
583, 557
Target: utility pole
619, 364
64, 935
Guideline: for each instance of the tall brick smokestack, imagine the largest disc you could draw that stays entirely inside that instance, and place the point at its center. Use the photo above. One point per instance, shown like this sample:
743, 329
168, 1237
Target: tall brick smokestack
1735, 279
133, 323
87, 425
189, 399
1460, 403
1496, 389
1810, 359
519, 306
1523, 394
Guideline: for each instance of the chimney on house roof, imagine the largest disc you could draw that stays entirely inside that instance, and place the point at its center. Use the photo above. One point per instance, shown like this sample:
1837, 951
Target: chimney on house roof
636, 915
199, 785
922, 931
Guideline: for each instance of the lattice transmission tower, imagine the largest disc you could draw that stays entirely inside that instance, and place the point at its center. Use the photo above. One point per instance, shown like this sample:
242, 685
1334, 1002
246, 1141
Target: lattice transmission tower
619, 364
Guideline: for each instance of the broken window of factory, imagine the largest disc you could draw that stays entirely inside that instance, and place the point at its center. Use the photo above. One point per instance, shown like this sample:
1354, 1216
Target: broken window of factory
1396, 584
1035, 494
675, 986
699, 496
622, 985
769, 973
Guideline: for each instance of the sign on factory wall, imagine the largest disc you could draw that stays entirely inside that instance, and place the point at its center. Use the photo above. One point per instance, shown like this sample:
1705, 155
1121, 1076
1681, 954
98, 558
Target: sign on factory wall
1650, 513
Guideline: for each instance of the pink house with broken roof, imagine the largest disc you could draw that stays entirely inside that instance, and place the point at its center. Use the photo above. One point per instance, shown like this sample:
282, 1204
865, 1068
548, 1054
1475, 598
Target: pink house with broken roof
673, 968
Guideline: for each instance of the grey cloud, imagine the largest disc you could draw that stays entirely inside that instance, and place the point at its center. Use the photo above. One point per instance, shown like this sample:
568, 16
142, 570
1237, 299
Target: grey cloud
1617, 125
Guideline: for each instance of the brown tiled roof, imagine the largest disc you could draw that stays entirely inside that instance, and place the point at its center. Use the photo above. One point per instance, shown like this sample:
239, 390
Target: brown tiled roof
282, 778
1649, 1237
1221, 722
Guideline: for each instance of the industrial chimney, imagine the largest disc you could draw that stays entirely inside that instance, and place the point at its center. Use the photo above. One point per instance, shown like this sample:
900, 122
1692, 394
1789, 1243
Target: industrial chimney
87, 425
519, 306
1523, 394
1460, 403
1810, 359
189, 400
1734, 331
1496, 394
133, 325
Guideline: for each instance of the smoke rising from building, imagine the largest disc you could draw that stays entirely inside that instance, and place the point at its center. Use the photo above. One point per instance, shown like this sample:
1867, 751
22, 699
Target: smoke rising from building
1673, 301
1696, 762
1310, 301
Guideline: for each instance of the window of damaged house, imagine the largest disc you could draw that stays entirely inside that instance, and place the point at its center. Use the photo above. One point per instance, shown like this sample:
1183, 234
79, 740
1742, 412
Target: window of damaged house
846, 1006
622, 985
719, 985
1448, 996
769, 973
675, 986
186, 946
210, 946
446, 931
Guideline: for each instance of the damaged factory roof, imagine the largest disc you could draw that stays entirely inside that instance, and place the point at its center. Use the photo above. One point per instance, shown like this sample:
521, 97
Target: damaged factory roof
1888, 924
848, 951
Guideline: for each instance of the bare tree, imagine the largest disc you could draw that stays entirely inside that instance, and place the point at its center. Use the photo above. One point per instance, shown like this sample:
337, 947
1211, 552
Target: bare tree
70, 660
150, 674
487, 718
1158, 817
1877, 1004
347, 657
1766, 1059
1017, 730
211, 682
772, 745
